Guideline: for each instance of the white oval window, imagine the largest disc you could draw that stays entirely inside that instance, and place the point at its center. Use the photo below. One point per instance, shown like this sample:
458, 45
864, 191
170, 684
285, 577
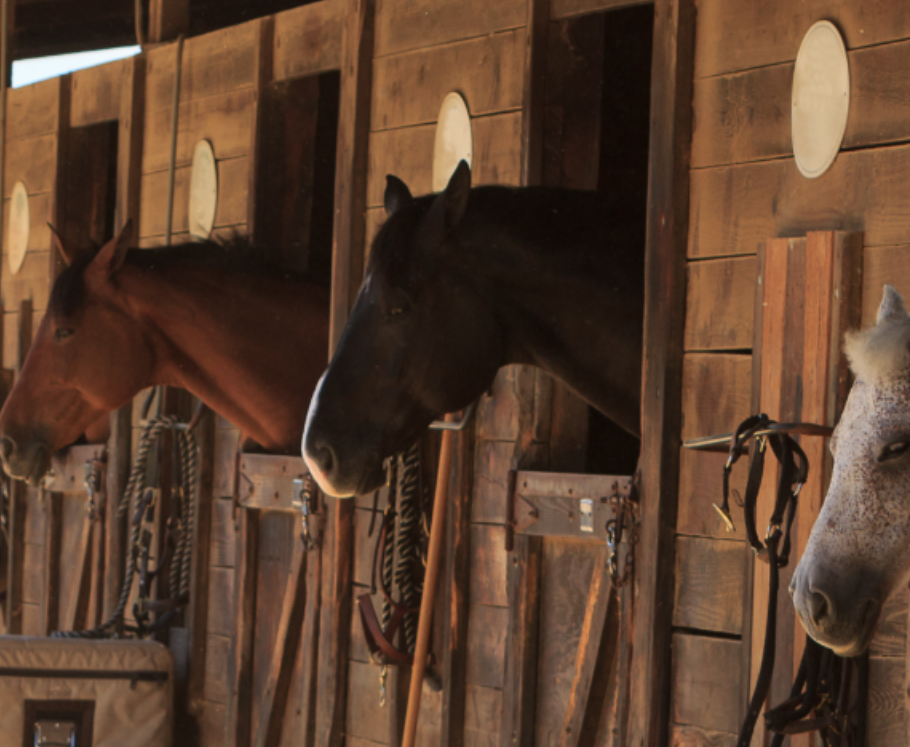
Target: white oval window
203, 190
18, 227
454, 140
820, 99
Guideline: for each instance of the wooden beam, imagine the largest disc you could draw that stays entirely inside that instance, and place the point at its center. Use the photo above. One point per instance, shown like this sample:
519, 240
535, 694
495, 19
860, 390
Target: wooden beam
519, 696
240, 717
262, 76
665, 290
310, 643
352, 162
167, 20
533, 100
594, 662
16, 556
58, 199
52, 504
274, 697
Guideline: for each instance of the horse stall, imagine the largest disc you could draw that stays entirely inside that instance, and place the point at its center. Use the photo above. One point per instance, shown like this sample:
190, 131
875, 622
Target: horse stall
552, 625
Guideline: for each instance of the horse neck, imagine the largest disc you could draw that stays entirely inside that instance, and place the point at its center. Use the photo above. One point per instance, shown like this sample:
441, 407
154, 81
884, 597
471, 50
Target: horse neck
584, 327
251, 347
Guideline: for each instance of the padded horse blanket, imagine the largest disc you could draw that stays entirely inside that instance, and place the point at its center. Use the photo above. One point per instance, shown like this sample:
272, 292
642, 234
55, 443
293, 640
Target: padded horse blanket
106, 693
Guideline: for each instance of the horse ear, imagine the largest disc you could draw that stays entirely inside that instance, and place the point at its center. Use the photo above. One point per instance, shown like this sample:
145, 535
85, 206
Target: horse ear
456, 194
111, 256
397, 195
892, 306
68, 254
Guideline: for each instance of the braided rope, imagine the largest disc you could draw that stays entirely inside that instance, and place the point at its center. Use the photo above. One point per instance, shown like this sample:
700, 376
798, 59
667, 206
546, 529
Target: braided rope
408, 543
388, 558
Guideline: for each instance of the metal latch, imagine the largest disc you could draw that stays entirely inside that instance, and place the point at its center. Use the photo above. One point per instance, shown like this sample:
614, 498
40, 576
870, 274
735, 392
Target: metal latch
305, 502
586, 515
52, 733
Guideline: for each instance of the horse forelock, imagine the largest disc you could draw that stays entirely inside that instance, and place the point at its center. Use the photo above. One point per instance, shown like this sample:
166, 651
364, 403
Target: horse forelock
881, 352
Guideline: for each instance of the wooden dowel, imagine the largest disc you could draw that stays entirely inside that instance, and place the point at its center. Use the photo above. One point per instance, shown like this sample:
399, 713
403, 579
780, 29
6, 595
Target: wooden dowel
425, 625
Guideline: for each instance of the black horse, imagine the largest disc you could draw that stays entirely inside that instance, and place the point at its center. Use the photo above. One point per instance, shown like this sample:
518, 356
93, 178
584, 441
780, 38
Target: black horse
461, 283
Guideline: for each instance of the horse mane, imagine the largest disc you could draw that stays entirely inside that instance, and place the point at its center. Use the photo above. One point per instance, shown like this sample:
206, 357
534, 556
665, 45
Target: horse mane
232, 254
880, 352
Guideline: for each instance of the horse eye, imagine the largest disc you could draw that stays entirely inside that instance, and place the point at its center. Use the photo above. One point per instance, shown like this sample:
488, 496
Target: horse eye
63, 332
397, 311
894, 450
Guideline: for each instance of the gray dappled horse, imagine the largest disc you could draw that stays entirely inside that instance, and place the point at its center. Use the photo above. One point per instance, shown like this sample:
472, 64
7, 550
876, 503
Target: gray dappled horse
859, 550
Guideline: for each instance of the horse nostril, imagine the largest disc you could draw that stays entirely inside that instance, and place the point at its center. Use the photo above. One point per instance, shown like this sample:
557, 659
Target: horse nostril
821, 612
322, 457
7, 447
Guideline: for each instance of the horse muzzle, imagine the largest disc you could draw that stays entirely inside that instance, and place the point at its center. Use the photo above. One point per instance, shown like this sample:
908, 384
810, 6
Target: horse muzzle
29, 462
837, 618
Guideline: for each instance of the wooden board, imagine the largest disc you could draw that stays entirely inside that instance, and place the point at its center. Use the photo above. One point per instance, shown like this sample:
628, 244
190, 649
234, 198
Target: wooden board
96, 93
703, 669
700, 485
308, 40
214, 63
710, 585
691, 736
887, 702
719, 304
32, 110
717, 393
734, 209
232, 199
727, 31
488, 72
486, 645
883, 264
572, 8
402, 25
33, 161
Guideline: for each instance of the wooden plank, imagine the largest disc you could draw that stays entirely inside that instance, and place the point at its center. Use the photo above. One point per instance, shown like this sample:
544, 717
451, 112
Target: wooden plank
118, 467
690, 736
887, 720
32, 161
534, 91
662, 379
267, 481
167, 20
402, 26
240, 715
515, 404
15, 568
225, 120
492, 461
365, 718
198, 613
290, 624
483, 713
96, 93
32, 110
217, 669
519, 683
734, 209
727, 30
703, 669
486, 645
218, 62
560, 9
709, 584
406, 153
30, 283
50, 616
594, 661
488, 565
549, 504
308, 39
700, 485
717, 389
719, 301
456, 594
308, 678
222, 584
488, 71
233, 197
129, 142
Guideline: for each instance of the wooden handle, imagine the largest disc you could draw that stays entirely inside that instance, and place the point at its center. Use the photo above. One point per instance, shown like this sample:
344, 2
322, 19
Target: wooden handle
425, 624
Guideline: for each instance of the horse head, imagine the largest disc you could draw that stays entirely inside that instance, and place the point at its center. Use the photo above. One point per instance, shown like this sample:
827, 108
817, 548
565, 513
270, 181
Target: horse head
87, 358
859, 549
421, 341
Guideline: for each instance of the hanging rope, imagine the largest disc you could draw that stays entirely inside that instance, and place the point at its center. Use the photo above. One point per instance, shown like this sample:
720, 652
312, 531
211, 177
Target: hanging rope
136, 502
409, 574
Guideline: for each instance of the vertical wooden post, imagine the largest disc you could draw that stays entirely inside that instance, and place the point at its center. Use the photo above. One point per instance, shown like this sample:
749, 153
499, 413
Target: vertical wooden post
240, 720
262, 77
167, 20
665, 288
534, 93
347, 274
58, 199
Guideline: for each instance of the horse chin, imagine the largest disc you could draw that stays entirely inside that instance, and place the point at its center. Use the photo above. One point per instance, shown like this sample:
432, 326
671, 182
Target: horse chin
370, 479
858, 642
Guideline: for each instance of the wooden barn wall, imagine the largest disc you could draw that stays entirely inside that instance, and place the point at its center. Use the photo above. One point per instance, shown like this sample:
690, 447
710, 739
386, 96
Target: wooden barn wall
744, 190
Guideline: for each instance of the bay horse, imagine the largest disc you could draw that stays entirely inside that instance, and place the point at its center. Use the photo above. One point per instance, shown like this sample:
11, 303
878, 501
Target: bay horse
859, 549
247, 338
461, 283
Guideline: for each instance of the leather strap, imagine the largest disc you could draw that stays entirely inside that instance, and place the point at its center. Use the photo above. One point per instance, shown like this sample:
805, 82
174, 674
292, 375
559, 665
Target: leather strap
379, 641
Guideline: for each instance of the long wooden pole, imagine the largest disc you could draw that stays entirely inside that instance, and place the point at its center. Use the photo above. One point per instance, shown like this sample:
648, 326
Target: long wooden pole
425, 625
